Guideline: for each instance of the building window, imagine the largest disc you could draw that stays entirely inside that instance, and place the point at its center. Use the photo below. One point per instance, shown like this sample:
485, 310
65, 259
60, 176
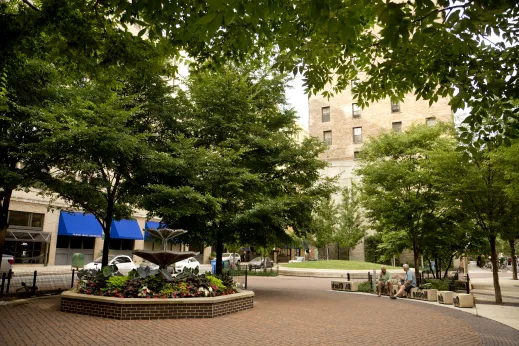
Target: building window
397, 126
23, 219
325, 114
327, 137
355, 109
357, 135
75, 242
430, 121
121, 244
356, 155
395, 106
26, 252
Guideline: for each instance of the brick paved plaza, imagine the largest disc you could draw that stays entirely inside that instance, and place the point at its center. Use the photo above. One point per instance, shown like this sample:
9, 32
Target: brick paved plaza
287, 311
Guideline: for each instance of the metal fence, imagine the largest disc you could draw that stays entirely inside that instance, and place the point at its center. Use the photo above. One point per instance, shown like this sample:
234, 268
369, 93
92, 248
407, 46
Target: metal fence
33, 283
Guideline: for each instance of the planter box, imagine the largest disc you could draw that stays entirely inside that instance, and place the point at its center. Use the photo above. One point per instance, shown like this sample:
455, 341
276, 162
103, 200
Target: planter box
415, 293
430, 295
152, 309
463, 300
349, 286
445, 297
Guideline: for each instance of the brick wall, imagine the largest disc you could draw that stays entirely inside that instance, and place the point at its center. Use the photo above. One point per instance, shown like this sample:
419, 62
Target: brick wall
156, 310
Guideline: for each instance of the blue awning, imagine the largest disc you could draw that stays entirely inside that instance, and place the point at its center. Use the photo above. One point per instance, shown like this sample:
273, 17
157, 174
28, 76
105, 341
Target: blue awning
151, 224
79, 224
126, 229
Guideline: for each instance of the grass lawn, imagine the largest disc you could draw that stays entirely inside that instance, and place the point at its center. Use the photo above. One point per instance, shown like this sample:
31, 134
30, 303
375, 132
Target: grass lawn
335, 264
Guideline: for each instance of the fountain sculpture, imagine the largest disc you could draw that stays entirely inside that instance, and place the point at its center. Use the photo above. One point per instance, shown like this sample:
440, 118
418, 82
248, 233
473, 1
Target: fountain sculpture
164, 258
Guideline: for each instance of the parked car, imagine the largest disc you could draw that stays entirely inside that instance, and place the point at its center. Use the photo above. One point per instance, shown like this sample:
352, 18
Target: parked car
231, 257
261, 262
297, 259
124, 263
7, 263
190, 263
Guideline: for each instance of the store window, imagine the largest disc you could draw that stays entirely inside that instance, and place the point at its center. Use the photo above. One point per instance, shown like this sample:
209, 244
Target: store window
75, 242
121, 244
26, 252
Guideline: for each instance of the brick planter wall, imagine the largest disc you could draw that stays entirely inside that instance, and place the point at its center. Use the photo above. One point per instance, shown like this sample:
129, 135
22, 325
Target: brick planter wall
152, 309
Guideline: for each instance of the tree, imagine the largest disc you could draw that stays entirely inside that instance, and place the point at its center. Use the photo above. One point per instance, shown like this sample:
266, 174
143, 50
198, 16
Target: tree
350, 229
479, 190
324, 223
433, 49
48, 51
506, 160
398, 193
260, 180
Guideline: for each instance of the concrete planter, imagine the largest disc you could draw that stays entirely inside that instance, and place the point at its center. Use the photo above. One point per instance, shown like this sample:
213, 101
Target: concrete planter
152, 309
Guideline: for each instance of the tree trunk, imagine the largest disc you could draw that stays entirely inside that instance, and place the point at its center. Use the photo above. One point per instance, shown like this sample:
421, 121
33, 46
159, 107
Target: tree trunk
106, 246
514, 258
327, 252
437, 275
448, 267
495, 270
416, 256
219, 253
107, 228
431, 268
6, 200
338, 251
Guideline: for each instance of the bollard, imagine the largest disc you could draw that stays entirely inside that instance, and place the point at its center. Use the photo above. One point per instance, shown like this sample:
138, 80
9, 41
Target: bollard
348, 276
3, 283
72, 282
468, 284
9, 275
246, 271
34, 282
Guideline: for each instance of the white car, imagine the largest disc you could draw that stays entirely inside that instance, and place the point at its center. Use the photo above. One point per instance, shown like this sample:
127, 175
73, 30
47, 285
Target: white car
190, 263
124, 263
231, 257
6, 264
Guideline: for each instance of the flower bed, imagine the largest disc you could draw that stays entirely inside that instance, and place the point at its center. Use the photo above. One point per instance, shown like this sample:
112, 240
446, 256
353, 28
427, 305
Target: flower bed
146, 283
154, 294
150, 309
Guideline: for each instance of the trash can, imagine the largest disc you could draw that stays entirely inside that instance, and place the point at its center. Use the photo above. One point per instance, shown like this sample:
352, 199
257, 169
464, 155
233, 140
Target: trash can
213, 266
225, 265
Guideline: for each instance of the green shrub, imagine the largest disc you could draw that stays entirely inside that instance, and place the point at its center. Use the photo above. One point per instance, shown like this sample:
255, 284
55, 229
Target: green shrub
440, 285
214, 281
365, 287
116, 283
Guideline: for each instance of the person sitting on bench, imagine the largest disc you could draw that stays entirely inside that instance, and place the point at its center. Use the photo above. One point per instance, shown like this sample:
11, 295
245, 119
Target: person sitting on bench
384, 280
409, 281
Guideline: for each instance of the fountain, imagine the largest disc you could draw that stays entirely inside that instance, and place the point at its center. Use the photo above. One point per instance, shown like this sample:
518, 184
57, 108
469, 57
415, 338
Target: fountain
164, 258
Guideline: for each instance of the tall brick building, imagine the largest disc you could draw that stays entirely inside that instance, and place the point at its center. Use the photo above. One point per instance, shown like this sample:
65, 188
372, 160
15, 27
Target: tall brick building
345, 127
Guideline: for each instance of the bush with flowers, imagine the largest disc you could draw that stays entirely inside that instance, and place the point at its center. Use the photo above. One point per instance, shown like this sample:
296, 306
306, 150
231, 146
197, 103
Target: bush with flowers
147, 283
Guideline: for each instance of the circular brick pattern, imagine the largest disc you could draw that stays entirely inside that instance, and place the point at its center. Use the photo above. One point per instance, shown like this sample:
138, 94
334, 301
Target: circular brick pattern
287, 311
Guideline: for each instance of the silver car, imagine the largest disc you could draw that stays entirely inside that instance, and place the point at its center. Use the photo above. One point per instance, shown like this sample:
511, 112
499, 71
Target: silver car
261, 262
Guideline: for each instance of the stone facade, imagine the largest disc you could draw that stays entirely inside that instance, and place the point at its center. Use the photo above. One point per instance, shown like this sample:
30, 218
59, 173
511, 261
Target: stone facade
154, 309
337, 118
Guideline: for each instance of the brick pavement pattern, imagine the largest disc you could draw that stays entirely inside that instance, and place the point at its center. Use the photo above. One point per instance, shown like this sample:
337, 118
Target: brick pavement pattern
287, 310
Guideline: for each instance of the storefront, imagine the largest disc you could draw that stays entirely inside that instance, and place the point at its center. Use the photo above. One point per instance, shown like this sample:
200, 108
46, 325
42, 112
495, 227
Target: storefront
25, 239
77, 233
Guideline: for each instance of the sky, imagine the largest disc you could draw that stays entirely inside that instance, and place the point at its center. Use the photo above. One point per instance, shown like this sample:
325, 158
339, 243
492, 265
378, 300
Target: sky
297, 99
